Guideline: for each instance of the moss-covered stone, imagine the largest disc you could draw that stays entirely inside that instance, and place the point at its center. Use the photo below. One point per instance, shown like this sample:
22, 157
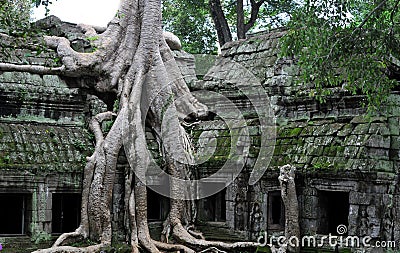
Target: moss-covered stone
37, 148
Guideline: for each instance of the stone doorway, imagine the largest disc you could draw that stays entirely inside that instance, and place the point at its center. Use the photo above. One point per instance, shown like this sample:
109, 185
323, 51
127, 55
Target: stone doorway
157, 206
213, 208
66, 212
14, 215
333, 211
276, 211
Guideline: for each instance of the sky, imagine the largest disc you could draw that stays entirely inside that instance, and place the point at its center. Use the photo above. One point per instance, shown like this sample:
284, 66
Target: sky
90, 12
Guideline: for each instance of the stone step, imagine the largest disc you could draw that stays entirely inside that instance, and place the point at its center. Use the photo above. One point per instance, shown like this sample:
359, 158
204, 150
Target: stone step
220, 231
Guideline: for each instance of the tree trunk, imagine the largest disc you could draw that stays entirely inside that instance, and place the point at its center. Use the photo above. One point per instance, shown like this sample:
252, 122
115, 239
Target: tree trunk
289, 197
221, 25
255, 9
134, 61
241, 33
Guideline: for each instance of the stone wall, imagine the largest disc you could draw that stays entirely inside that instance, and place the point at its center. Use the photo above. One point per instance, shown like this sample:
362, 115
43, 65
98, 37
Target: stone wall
336, 146
43, 146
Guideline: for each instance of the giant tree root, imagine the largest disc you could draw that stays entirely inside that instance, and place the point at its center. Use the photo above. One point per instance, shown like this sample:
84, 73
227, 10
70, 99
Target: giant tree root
68, 249
132, 60
173, 247
186, 238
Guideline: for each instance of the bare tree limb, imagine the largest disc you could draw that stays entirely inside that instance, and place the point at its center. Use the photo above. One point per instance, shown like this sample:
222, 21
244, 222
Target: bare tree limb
34, 69
255, 9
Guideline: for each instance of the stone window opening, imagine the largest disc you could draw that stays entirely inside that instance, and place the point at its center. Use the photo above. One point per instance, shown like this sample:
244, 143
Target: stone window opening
66, 211
333, 211
214, 207
157, 206
276, 211
14, 213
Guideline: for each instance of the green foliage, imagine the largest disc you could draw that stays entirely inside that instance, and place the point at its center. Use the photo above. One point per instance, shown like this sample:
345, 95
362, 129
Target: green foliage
15, 17
272, 13
116, 106
346, 44
107, 125
275, 13
79, 145
40, 237
92, 41
263, 249
191, 22
15, 21
5, 159
83, 243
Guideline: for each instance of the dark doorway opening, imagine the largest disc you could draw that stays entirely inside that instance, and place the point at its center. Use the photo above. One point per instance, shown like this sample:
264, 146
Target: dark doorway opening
214, 207
157, 206
14, 210
334, 211
66, 212
276, 211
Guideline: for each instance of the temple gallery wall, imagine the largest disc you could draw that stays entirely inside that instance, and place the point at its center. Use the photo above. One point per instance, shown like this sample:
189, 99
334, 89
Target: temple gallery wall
347, 161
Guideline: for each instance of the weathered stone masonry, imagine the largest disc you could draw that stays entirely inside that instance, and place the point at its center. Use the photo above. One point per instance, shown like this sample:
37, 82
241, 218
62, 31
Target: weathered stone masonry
43, 145
347, 163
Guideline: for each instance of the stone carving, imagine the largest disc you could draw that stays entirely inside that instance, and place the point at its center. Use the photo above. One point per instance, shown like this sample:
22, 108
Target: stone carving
256, 220
364, 222
388, 225
239, 213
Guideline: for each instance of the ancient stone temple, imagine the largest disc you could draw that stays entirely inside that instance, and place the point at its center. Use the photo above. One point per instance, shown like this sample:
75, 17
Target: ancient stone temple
347, 161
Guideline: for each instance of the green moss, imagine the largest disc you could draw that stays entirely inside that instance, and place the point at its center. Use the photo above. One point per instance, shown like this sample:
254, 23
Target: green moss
296, 131
315, 151
340, 149
256, 140
277, 150
107, 125
298, 141
83, 243
289, 132
286, 142
117, 248
5, 159
40, 237
333, 150
265, 249
322, 163
254, 151
79, 145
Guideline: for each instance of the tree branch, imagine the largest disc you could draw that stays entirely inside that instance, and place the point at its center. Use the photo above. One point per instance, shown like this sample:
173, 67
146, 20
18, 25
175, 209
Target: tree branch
221, 25
392, 15
370, 14
95, 125
255, 8
33, 69
358, 27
